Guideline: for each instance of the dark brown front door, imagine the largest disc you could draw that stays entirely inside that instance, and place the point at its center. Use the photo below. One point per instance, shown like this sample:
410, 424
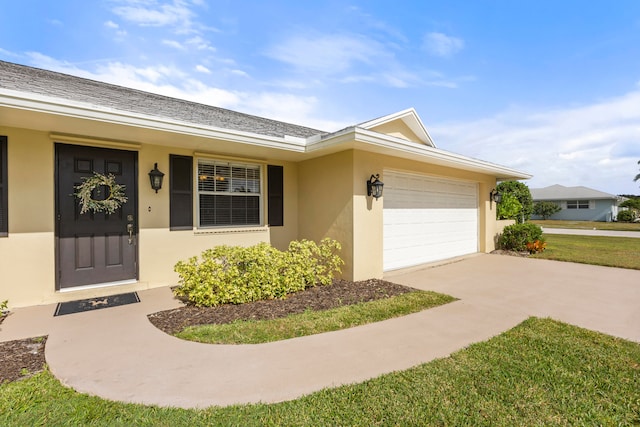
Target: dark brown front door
95, 247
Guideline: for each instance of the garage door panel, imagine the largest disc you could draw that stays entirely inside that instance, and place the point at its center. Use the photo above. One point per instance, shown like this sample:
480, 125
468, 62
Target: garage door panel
427, 219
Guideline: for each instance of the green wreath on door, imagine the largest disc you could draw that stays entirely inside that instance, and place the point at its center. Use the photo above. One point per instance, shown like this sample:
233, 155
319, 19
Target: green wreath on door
84, 192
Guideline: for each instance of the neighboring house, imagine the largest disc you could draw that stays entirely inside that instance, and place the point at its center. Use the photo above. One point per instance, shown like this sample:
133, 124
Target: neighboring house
230, 178
578, 203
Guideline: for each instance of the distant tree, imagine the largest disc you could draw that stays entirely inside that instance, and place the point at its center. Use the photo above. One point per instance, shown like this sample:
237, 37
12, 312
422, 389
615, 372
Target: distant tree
521, 192
546, 209
631, 203
637, 176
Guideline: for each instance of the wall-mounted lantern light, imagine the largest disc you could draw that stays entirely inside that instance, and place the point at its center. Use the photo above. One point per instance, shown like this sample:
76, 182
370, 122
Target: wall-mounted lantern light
495, 196
156, 178
374, 186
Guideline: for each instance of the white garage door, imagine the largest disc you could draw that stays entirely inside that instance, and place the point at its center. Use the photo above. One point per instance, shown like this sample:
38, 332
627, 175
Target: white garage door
427, 219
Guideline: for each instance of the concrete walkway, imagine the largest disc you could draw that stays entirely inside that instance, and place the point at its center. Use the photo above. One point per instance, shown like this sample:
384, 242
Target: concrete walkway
117, 354
586, 232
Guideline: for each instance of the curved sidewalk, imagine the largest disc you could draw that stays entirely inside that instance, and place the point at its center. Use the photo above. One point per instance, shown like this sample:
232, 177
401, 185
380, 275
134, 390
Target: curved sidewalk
117, 354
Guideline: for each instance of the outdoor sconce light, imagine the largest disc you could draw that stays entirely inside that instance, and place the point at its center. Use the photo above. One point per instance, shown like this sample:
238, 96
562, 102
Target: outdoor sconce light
374, 186
495, 196
156, 178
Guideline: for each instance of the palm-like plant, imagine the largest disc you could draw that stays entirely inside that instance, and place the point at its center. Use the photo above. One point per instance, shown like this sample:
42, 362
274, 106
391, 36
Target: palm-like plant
637, 176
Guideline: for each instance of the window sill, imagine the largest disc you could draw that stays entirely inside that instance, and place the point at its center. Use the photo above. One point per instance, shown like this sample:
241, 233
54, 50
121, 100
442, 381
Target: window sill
231, 230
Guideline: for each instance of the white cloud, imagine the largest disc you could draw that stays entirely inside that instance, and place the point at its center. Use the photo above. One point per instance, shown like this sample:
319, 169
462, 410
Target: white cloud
114, 26
5, 52
154, 14
202, 69
200, 44
353, 59
593, 145
326, 53
442, 45
239, 73
174, 44
343, 58
150, 13
170, 81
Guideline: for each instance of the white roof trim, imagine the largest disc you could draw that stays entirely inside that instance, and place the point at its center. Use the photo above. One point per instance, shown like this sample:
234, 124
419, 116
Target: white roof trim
399, 147
410, 118
354, 137
57, 106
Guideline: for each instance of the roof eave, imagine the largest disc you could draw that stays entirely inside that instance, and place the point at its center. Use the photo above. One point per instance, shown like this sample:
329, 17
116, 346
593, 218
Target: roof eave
62, 107
352, 137
376, 142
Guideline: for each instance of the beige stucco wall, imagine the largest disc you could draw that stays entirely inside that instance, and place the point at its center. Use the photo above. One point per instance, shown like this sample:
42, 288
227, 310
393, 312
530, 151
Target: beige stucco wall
27, 255
281, 236
333, 202
398, 129
368, 220
325, 202
323, 197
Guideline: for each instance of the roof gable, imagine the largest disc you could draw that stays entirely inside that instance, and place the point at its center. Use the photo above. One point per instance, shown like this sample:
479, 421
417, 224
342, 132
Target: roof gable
405, 124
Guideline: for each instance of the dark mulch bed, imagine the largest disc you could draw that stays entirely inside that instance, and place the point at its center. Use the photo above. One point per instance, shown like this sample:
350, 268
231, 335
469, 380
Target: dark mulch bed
22, 358
340, 293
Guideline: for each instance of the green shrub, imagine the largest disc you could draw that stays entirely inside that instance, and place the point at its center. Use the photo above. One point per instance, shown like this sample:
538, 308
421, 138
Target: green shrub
511, 210
546, 209
626, 216
515, 237
509, 207
236, 275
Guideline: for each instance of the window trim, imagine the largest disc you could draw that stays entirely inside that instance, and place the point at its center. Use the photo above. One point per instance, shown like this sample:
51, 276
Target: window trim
4, 194
578, 204
230, 163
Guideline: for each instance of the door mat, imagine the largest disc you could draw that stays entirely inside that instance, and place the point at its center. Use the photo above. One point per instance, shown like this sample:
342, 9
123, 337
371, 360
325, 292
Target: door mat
96, 303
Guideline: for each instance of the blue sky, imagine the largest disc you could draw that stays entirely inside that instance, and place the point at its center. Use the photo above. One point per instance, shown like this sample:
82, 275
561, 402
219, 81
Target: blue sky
548, 87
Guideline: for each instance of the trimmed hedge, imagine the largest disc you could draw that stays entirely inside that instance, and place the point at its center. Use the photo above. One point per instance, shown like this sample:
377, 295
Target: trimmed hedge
237, 275
515, 237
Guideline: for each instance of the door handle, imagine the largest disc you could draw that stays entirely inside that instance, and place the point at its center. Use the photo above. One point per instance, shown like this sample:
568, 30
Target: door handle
130, 231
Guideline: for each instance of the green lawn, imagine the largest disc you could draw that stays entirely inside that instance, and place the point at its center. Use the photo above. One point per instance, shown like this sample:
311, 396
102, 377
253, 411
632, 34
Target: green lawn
542, 372
589, 225
314, 322
621, 252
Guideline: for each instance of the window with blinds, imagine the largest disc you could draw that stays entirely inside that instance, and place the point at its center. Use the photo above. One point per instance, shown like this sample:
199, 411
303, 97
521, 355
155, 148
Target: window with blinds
229, 194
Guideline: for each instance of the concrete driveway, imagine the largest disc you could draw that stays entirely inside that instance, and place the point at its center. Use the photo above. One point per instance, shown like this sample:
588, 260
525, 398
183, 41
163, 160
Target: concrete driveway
117, 354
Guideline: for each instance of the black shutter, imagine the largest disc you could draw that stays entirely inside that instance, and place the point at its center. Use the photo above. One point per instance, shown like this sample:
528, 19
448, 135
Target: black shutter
4, 208
275, 178
180, 192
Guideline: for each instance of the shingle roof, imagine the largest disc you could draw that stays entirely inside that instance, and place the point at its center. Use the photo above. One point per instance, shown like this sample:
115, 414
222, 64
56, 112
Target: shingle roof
560, 192
42, 82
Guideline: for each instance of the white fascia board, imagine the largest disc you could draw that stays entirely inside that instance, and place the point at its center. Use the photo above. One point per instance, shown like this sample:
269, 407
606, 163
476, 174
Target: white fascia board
56, 106
347, 138
399, 147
